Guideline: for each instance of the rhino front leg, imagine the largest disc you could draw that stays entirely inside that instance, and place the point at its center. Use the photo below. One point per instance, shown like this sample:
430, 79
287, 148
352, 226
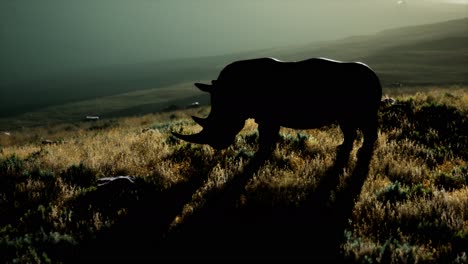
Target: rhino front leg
268, 136
349, 135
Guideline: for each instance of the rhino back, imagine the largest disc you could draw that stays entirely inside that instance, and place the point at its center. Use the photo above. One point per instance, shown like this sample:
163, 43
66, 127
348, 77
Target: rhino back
290, 92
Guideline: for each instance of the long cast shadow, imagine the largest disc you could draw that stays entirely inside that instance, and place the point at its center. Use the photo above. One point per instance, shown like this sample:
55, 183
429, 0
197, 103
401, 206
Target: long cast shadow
140, 234
222, 230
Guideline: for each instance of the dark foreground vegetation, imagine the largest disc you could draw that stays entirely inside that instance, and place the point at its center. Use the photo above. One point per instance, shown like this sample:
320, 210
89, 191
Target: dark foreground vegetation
407, 203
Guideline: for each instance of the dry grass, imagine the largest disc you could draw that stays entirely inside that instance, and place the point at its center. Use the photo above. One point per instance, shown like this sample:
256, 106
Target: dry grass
413, 207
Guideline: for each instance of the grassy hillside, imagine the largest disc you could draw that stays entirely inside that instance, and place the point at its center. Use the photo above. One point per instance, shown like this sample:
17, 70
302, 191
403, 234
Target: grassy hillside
95, 83
109, 107
406, 204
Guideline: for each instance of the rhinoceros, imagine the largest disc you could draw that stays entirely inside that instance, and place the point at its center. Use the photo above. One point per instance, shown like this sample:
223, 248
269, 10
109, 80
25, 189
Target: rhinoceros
301, 95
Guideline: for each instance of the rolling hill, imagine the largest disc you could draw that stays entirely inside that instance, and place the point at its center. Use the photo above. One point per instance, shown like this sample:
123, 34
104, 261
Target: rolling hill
433, 54
417, 55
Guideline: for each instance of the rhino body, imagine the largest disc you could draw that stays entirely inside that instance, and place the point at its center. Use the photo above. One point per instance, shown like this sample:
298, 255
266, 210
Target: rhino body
301, 95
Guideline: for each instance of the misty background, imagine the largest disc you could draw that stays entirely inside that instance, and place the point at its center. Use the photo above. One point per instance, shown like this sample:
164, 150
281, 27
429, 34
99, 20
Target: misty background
61, 60
40, 39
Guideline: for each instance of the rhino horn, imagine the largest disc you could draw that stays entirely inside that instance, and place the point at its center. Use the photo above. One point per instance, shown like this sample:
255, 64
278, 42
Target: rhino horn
204, 87
199, 138
201, 121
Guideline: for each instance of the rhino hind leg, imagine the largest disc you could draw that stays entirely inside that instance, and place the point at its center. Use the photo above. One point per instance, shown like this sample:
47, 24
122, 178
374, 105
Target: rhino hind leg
344, 150
370, 134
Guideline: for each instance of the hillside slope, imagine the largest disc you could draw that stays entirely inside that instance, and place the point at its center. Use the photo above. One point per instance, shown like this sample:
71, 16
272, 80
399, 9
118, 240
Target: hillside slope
408, 203
416, 55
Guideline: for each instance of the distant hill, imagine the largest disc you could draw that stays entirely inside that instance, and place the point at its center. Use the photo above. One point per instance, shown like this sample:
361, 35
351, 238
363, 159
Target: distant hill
433, 54
417, 55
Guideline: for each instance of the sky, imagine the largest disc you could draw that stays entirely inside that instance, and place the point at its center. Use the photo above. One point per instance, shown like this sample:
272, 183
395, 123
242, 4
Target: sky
52, 36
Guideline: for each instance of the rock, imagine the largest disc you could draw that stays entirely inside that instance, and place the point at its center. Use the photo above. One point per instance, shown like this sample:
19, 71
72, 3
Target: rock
117, 181
47, 142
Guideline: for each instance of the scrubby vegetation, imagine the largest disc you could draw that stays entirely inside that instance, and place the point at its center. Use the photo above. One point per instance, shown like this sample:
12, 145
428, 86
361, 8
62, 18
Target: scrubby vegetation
189, 201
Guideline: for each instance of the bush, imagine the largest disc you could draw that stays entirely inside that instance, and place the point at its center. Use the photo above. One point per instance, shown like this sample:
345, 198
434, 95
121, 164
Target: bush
440, 127
297, 142
457, 179
11, 166
36, 247
79, 175
393, 192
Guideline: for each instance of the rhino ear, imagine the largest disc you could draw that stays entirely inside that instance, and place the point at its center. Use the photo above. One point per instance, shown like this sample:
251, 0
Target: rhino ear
204, 87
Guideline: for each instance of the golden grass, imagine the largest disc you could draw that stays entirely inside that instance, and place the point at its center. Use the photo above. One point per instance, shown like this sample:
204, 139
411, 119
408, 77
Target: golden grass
142, 146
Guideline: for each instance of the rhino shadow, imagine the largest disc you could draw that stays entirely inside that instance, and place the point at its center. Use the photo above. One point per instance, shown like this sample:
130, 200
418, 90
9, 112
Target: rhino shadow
140, 234
222, 230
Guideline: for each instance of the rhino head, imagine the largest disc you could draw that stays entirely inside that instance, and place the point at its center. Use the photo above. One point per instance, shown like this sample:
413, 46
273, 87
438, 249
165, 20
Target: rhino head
220, 127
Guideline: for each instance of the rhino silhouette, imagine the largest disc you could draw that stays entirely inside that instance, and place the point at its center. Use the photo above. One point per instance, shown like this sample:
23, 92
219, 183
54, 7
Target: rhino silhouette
300, 95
